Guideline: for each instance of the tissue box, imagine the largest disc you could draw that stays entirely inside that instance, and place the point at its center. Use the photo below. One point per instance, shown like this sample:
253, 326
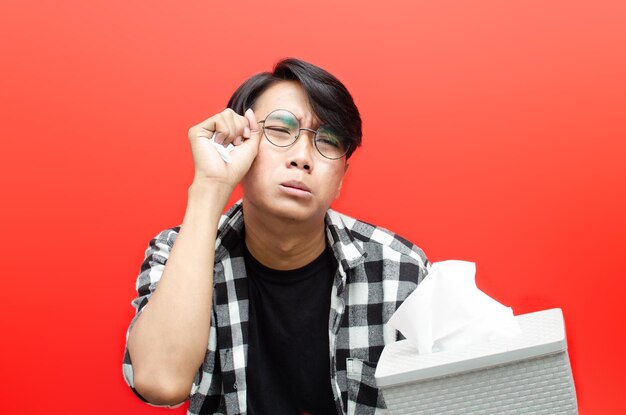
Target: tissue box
530, 374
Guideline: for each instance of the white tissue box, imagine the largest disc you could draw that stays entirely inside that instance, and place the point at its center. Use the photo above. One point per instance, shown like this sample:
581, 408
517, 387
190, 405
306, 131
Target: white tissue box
529, 374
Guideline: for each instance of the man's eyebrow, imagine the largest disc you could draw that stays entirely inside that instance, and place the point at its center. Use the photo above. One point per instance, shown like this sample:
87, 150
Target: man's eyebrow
287, 118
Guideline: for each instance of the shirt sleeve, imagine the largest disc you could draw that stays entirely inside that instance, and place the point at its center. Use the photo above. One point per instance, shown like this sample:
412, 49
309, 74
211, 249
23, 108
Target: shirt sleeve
149, 276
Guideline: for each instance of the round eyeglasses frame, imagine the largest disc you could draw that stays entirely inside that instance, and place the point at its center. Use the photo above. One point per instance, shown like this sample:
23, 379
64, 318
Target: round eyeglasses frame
347, 145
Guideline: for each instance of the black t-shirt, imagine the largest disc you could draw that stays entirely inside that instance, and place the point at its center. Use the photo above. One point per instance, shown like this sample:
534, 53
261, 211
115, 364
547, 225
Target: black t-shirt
288, 369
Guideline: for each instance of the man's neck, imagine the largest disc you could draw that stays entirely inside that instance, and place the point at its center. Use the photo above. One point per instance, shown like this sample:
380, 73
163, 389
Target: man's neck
283, 245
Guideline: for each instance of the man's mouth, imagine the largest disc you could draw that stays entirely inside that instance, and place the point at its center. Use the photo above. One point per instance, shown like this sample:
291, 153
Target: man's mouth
294, 184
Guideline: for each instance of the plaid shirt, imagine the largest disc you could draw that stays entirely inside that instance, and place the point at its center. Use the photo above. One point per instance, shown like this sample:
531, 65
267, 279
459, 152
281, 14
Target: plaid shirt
376, 271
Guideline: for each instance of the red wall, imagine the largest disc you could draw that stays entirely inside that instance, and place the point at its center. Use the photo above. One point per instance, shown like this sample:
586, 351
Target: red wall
493, 132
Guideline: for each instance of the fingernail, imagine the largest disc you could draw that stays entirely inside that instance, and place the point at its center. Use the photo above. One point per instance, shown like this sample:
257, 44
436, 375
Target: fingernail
246, 132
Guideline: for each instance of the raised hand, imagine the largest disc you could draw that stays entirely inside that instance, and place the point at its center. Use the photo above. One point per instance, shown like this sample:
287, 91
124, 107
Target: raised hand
227, 127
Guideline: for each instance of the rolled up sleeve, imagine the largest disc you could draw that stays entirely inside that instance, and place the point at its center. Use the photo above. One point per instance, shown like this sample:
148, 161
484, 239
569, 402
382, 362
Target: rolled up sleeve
152, 267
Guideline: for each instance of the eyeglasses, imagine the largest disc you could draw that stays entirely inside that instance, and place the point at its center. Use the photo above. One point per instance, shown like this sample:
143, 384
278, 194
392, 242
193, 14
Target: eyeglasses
282, 128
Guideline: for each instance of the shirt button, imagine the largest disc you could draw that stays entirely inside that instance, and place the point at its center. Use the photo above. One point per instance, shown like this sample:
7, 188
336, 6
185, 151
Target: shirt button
235, 385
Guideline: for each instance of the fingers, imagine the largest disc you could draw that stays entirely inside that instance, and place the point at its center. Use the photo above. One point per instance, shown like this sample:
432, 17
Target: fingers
250, 146
226, 127
254, 131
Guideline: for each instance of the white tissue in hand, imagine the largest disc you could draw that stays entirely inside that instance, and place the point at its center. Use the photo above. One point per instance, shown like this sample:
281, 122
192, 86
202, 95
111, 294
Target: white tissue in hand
447, 311
224, 151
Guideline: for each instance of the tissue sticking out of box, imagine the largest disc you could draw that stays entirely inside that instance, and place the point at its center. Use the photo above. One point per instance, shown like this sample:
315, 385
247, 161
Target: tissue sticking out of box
447, 311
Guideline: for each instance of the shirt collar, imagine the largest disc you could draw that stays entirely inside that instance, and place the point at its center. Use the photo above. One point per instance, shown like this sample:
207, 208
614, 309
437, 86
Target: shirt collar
346, 248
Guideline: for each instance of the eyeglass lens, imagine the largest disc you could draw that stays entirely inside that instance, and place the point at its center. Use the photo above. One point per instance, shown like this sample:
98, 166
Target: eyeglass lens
282, 128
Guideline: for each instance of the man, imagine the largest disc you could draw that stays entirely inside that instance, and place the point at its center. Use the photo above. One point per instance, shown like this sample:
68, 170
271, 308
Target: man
279, 306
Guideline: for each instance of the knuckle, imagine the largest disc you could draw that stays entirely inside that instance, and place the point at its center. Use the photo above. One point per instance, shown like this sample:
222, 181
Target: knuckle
242, 120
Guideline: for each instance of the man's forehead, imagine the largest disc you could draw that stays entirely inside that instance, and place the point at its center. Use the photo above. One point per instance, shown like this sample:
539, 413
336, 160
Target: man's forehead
288, 95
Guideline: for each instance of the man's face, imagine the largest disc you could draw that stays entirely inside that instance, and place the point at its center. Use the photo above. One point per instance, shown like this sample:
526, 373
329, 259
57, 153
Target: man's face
296, 182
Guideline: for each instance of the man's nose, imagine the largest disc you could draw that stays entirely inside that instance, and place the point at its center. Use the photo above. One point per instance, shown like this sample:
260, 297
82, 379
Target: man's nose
302, 152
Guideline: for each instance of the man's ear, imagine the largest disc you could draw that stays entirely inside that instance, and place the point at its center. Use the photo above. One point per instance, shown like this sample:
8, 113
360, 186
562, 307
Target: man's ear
345, 170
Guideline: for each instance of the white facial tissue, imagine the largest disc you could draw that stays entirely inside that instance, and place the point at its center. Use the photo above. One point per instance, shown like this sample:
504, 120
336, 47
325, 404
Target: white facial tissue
447, 311
224, 151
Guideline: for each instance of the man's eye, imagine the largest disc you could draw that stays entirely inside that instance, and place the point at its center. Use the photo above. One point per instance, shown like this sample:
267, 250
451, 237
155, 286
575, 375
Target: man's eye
328, 141
278, 129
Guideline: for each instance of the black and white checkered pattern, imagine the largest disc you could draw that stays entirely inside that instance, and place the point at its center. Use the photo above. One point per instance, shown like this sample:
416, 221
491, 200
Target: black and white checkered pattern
376, 271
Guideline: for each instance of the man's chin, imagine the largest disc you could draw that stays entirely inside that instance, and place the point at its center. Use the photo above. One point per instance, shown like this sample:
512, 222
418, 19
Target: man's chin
293, 213
289, 210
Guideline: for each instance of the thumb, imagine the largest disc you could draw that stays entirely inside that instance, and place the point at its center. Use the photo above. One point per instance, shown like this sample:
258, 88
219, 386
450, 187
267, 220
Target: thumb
250, 146
253, 125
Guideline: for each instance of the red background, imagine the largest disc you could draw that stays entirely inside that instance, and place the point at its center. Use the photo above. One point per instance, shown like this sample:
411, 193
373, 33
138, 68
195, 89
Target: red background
493, 132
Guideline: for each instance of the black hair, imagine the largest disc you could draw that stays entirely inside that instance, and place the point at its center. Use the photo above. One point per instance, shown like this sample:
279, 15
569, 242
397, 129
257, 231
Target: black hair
329, 98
